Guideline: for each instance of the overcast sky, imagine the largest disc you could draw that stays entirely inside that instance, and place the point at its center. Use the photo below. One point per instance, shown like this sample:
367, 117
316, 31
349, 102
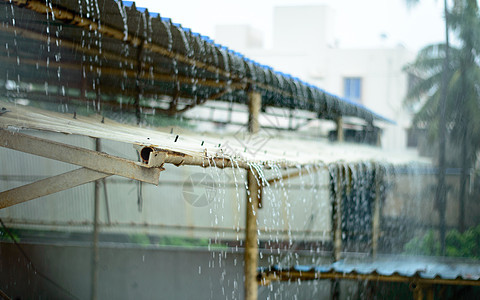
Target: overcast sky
358, 23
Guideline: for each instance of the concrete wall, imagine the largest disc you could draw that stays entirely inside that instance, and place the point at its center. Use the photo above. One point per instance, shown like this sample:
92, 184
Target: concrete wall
124, 273
304, 47
137, 273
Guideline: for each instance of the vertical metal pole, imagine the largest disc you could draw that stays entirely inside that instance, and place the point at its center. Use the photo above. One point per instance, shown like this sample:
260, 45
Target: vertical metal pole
95, 251
251, 238
339, 122
376, 212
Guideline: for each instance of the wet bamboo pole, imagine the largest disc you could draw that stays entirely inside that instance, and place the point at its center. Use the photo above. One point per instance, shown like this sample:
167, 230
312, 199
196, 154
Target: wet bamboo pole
251, 237
337, 224
155, 157
418, 293
340, 136
267, 277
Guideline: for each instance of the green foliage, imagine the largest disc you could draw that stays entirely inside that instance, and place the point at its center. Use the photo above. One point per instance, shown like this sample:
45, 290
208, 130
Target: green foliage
145, 240
464, 245
140, 239
427, 245
183, 242
188, 242
4, 236
458, 244
461, 75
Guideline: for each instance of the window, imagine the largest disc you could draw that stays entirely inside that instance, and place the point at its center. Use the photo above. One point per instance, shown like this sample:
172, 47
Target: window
353, 88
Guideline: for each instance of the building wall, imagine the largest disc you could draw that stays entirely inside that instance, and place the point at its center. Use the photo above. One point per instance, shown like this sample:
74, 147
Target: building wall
246, 37
304, 46
302, 28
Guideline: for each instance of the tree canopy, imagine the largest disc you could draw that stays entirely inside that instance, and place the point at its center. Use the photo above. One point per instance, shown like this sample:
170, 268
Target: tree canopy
463, 82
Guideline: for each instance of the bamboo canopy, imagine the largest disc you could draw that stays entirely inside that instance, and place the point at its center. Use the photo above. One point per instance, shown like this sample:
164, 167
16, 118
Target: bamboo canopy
118, 57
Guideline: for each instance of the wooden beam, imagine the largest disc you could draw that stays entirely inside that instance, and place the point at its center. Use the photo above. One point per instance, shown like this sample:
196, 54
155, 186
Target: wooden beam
267, 277
49, 186
93, 160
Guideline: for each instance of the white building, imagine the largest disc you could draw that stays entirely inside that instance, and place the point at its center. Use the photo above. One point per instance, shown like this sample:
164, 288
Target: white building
304, 46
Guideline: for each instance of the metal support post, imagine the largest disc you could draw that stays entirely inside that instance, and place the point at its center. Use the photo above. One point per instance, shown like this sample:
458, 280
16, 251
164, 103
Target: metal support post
95, 250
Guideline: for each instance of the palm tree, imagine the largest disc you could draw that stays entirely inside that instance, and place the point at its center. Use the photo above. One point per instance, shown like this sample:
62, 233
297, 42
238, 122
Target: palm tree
441, 190
450, 81
466, 21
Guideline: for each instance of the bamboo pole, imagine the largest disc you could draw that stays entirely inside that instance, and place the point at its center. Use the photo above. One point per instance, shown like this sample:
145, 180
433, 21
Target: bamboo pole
418, 293
166, 156
268, 277
430, 293
340, 136
251, 238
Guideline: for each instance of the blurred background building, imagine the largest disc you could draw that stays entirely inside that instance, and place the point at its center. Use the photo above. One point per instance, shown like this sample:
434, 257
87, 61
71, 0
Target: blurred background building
304, 46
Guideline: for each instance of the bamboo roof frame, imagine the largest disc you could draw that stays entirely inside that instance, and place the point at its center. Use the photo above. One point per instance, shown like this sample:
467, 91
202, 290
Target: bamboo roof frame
219, 72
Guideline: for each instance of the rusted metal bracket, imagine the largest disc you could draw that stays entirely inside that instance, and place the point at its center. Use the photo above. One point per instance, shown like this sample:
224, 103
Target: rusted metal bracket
95, 165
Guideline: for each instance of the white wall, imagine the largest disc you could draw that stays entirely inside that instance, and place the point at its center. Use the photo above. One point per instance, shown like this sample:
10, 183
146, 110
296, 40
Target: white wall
239, 37
302, 28
304, 47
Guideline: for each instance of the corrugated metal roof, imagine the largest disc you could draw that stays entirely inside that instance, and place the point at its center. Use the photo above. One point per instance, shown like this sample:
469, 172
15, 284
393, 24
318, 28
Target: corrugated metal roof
418, 267
122, 51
